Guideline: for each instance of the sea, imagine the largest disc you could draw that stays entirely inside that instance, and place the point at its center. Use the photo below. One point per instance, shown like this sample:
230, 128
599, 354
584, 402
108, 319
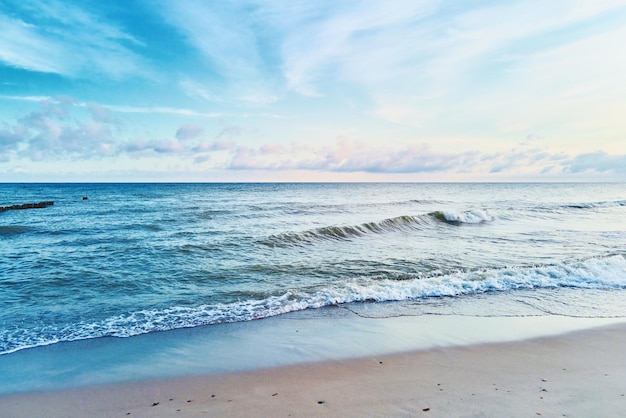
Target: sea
123, 260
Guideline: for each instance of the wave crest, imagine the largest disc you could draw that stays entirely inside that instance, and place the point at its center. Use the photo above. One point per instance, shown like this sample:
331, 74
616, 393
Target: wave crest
475, 216
399, 223
347, 232
595, 273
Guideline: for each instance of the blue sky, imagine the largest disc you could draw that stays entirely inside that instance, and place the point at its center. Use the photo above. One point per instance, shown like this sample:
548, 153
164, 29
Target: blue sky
416, 90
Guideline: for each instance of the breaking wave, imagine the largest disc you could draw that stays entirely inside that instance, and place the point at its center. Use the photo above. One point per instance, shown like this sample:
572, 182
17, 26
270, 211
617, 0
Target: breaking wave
593, 205
400, 223
595, 273
347, 232
476, 216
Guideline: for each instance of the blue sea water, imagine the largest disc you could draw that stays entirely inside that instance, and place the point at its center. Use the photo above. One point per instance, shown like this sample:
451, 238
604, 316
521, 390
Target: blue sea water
138, 258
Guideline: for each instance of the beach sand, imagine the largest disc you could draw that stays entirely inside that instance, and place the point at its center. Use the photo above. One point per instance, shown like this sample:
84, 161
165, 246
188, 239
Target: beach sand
580, 374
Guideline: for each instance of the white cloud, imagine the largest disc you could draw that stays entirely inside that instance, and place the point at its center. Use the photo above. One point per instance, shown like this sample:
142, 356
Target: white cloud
22, 46
599, 162
189, 131
229, 131
164, 109
147, 147
10, 138
322, 44
425, 63
56, 132
214, 146
64, 39
258, 98
101, 113
197, 90
349, 156
101, 109
52, 133
579, 86
226, 36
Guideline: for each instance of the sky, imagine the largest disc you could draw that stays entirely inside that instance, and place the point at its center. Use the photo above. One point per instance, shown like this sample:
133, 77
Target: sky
351, 90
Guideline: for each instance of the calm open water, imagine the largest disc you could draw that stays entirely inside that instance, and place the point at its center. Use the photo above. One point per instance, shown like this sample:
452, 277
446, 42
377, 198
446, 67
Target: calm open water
139, 258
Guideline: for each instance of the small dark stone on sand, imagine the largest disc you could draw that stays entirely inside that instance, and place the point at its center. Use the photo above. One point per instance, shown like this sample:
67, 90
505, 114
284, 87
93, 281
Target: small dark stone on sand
321, 402
426, 409
155, 404
189, 400
275, 394
212, 396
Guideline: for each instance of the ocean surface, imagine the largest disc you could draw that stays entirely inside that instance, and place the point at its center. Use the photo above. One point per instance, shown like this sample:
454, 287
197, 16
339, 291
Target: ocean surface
139, 258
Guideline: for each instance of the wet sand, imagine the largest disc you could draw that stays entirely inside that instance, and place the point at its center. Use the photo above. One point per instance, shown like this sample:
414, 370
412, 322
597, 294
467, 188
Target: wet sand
580, 374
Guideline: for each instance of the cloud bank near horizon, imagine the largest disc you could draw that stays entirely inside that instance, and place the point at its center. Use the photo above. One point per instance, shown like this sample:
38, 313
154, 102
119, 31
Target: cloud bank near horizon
55, 133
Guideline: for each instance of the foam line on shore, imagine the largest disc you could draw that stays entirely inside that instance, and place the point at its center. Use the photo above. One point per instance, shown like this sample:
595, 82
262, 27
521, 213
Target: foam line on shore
301, 337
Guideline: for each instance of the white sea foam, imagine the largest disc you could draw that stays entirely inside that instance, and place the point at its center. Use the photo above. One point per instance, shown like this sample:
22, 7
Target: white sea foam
474, 216
596, 273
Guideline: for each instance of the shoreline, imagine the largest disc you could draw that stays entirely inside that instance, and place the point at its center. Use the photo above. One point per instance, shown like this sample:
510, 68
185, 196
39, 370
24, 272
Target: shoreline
309, 336
580, 373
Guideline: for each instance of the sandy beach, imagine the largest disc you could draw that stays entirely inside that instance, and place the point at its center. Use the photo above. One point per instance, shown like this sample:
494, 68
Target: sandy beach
580, 374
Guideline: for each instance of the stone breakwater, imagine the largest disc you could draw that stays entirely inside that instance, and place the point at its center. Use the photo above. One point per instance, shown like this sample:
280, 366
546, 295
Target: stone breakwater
27, 206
